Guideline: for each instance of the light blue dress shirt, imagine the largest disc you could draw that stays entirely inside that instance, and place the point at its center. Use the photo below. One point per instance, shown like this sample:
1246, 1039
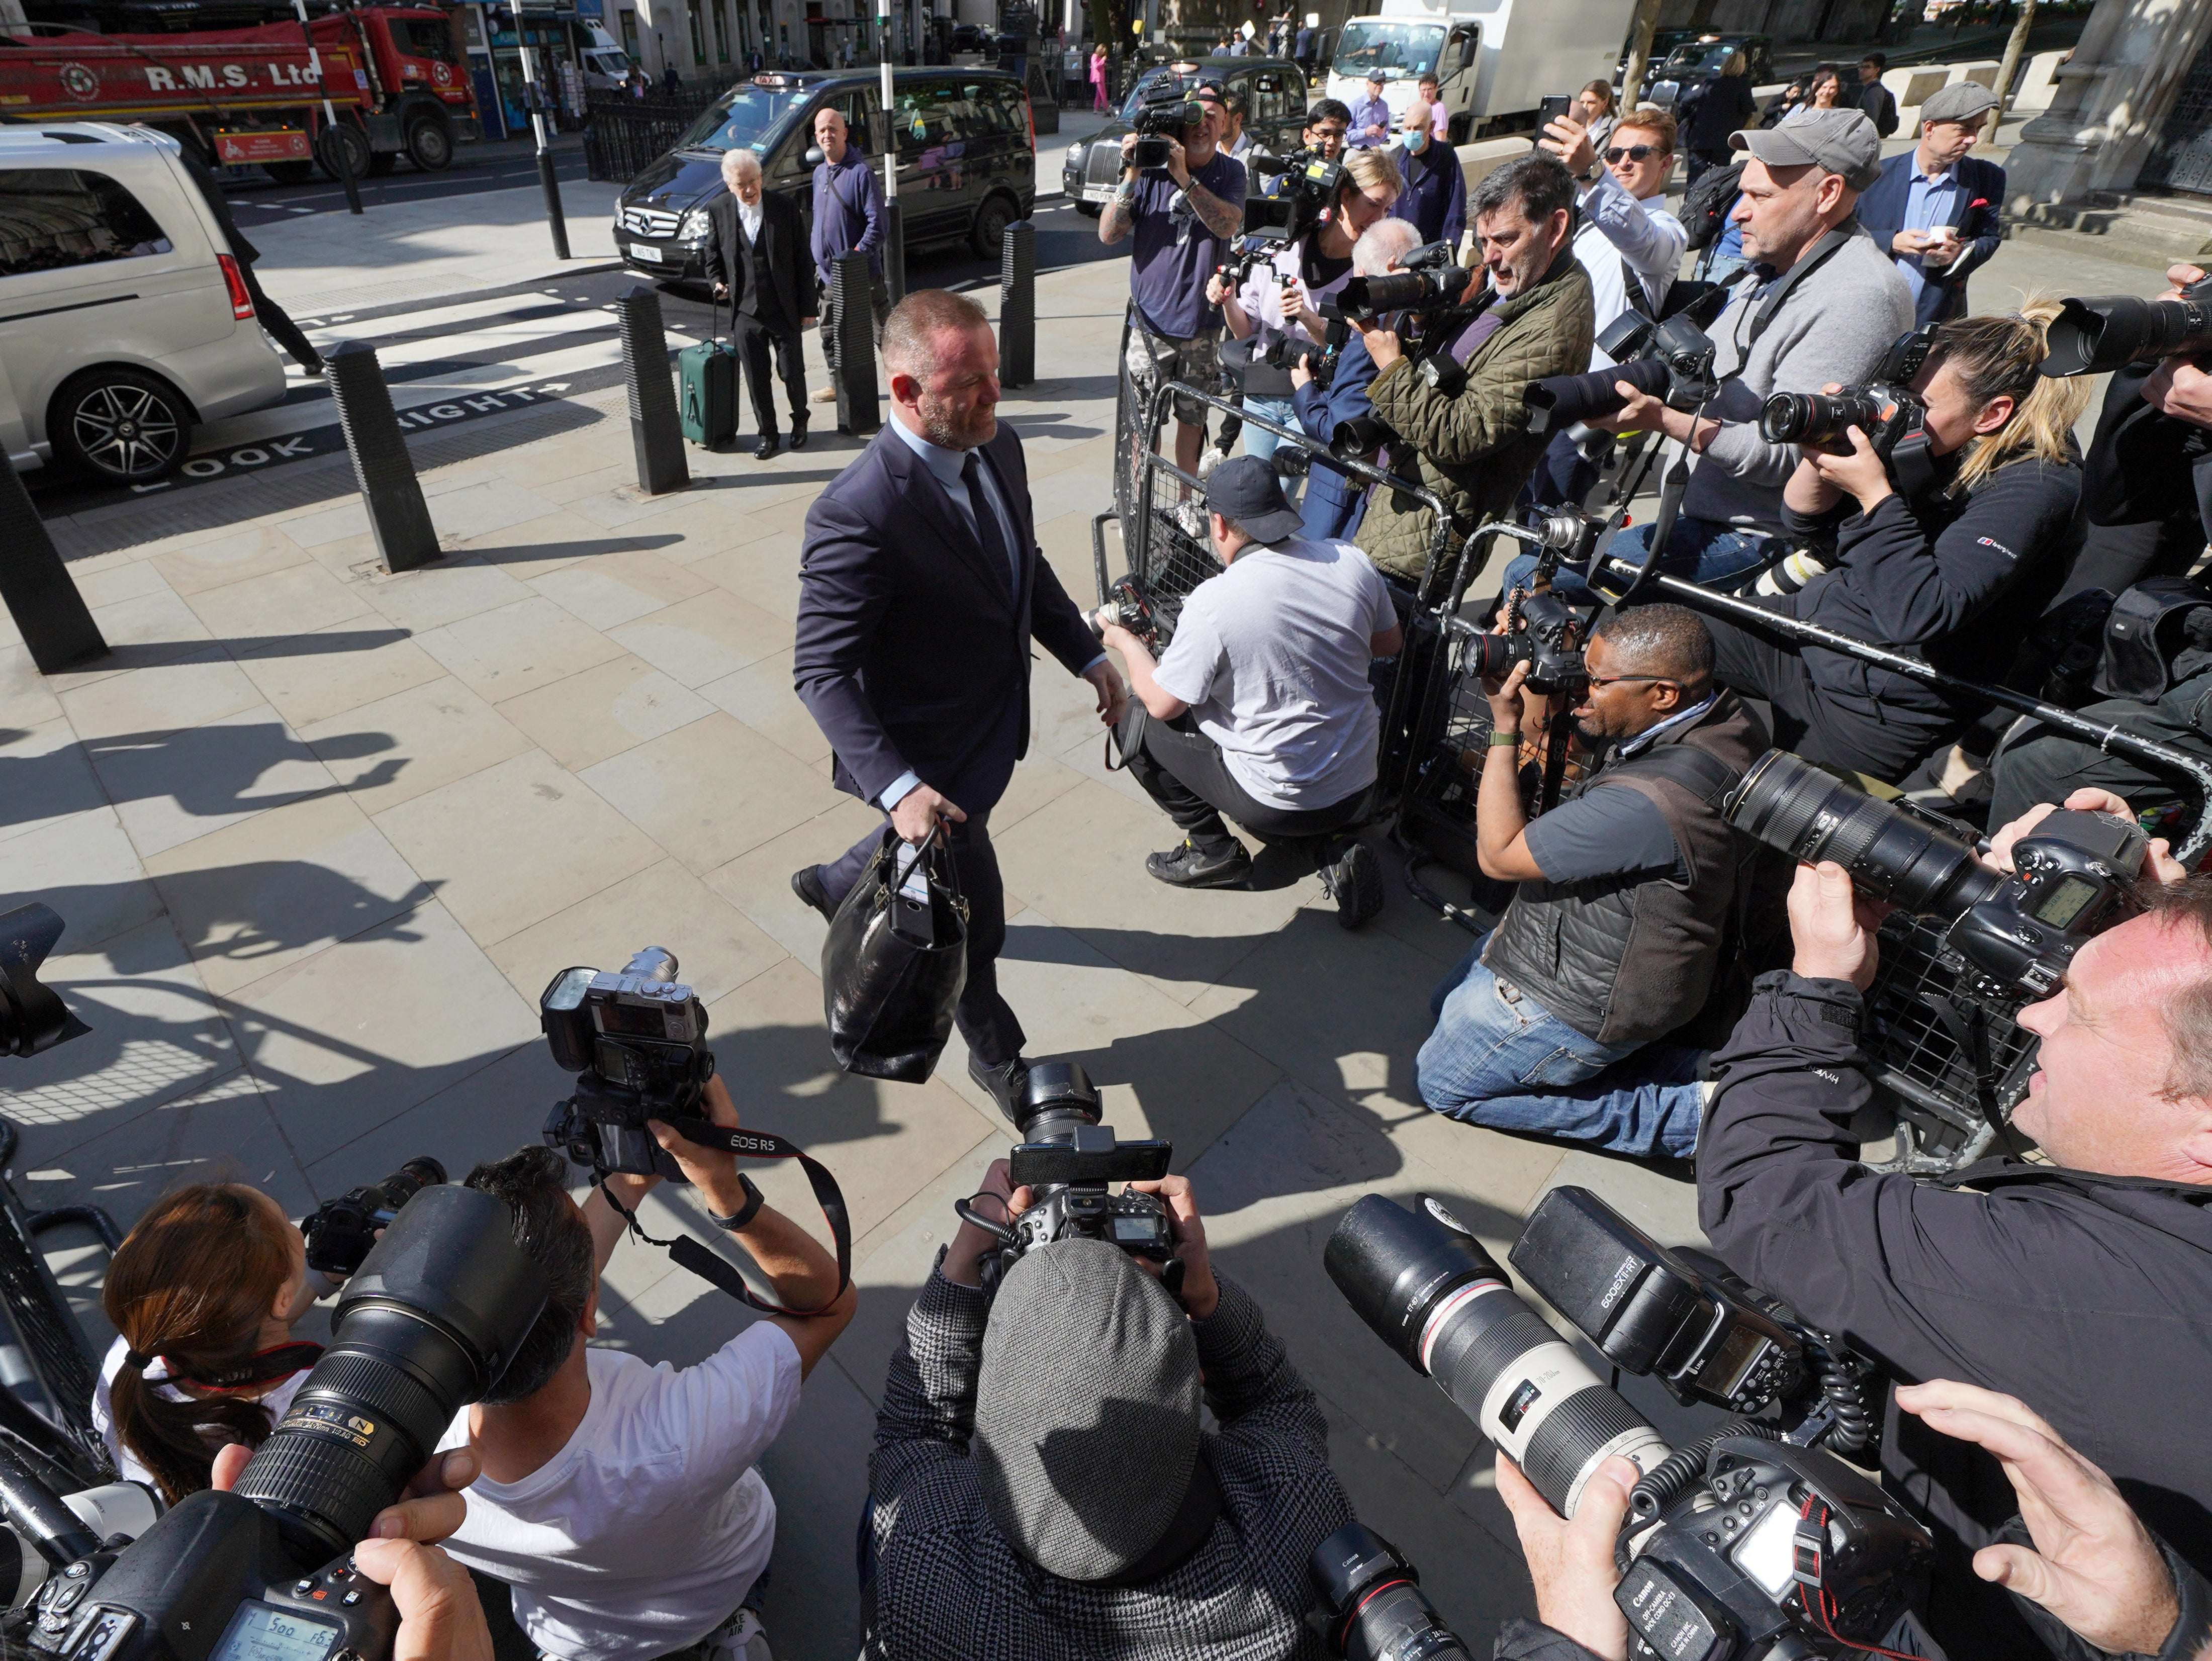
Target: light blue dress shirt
1930, 201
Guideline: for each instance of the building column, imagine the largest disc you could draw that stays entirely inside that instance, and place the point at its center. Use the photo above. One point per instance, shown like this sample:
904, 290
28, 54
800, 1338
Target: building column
2113, 98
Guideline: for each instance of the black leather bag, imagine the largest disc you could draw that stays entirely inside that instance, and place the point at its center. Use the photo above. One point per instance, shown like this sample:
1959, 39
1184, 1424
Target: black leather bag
896, 964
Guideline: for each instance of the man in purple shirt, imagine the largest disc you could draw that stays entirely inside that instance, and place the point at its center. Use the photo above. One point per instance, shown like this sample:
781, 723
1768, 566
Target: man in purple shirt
1371, 120
848, 213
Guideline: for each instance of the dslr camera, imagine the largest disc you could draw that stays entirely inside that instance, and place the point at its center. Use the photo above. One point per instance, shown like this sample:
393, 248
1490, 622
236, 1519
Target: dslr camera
2108, 331
1067, 1159
2014, 936
1886, 409
1129, 605
340, 1232
1541, 630
263, 1572
1168, 114
1672, 361
1749, 1544
1428, 279
636, 1040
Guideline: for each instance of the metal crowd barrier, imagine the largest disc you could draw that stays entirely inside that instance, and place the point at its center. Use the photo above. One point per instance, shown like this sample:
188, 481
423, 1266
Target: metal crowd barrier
51, 1372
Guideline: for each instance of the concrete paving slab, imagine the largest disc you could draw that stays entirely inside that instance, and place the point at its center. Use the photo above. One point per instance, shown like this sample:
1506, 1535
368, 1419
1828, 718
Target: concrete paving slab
591, 713
503, 654
710, 790
410, 744
308, 678
169, 788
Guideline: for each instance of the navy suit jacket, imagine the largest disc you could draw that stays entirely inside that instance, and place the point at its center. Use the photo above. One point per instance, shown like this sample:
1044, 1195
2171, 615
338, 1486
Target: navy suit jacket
1333, 502
912, 652
1881, 210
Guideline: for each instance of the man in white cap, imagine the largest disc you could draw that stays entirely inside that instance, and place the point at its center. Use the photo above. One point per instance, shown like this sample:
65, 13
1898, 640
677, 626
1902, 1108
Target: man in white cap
1935, 207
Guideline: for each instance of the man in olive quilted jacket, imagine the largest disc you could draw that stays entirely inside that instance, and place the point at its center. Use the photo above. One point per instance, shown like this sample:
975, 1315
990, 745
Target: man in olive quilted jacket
1468, 440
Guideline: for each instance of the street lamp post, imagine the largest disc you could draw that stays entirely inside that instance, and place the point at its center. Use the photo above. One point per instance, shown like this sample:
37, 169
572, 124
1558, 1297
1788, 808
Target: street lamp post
341, 152
894, 230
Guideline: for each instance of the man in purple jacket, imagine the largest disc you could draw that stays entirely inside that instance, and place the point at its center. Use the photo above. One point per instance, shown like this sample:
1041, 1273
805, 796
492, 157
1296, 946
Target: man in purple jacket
848, 213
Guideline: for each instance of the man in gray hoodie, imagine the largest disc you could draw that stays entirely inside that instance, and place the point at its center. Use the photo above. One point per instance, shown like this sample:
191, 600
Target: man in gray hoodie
1817, 303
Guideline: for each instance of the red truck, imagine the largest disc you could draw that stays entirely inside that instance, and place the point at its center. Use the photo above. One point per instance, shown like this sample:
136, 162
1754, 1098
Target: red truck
395, 75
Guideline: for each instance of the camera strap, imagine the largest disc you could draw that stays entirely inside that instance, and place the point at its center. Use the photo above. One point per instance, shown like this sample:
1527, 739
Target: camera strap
692, 1254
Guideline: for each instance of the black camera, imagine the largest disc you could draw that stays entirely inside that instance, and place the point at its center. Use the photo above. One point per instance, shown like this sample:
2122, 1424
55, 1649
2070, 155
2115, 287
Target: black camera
1303, 200
1167, 114
1129, 606
339, 1233
1541, 630
2015, 934
32, 1017
1375, 1607
2106, 332
261, 1574
636, 1040
1823, 420
1066, 1159
1428, 279
1673, 361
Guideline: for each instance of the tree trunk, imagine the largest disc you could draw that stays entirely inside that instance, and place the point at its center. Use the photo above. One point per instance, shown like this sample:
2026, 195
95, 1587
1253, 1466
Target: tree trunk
2010, 67
1642, 27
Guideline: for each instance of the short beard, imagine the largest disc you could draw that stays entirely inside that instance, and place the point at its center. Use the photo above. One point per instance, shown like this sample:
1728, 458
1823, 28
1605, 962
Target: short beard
937, 427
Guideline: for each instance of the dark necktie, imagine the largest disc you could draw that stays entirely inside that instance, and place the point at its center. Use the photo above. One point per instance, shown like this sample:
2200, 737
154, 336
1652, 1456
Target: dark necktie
987, 523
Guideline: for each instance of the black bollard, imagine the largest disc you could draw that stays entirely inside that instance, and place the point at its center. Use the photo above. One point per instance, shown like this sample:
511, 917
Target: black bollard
855, 377
656, 433
895, 249
341, 153
389, 490
41, 595
554, 218
1017, 306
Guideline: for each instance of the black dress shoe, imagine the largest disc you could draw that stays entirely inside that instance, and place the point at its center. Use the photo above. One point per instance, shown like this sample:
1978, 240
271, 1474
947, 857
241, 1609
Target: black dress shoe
1008, 1083
768, 446
1185, 866
799, 430
806, 882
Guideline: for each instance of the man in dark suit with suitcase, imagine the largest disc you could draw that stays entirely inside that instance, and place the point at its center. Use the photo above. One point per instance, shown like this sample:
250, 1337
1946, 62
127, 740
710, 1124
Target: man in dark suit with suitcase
757, 246
920, 586
1934, 209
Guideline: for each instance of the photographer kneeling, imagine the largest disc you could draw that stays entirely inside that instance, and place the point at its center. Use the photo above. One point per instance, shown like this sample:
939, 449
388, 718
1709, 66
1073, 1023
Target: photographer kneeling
1260, 708
1948, 549
2082, 1285
1616, 930
1041, 1486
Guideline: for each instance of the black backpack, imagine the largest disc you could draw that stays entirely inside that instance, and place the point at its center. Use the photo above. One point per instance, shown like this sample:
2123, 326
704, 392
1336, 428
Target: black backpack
1705, 208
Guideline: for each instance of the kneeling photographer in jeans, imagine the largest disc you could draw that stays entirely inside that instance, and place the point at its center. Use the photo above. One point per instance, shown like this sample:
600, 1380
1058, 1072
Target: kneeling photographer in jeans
1260, 708
619, 1500
1620, 923
1042, 1488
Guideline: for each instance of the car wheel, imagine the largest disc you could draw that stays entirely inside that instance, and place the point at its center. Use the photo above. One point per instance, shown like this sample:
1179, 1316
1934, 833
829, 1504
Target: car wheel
1091, 209
430, 146
340, 147
989, 236
120, 426
289, 173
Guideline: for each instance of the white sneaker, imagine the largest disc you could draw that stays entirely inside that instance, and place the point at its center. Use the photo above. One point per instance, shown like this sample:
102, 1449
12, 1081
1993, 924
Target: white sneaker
740, 1638
826, 395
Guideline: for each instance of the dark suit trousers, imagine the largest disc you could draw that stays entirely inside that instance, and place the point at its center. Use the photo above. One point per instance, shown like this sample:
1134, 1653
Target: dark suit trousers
279, 327
755, 337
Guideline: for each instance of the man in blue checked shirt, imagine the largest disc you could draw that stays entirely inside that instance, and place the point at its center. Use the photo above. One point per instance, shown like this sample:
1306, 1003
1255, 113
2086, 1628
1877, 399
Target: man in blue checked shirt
1371, 120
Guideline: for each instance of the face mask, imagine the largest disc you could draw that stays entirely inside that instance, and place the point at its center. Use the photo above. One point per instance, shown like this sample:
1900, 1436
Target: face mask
1416, 140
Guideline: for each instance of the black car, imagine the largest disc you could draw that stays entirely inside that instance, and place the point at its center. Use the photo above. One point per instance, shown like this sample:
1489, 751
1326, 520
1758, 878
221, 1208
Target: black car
1276, 86
1667, 80
967, 159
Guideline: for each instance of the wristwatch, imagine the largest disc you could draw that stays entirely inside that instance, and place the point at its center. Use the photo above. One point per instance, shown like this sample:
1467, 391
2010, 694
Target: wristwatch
738, 1219
1499, 741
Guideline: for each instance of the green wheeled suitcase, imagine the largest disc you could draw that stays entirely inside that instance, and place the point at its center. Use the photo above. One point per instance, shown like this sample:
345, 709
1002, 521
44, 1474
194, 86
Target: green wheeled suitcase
706, 396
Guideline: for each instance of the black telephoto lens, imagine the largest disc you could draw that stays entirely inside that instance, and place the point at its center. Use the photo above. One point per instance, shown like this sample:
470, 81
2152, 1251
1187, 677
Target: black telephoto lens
1060, 1098
425, 1324
1812, 815
2105, 332
1377, 1609
1565, 400
1816, 418
1434, 1295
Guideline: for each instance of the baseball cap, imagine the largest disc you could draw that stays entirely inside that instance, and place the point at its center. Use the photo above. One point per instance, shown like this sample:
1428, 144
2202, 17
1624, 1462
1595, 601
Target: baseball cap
1245, 489
1374, 77
1962, 100
1840, 142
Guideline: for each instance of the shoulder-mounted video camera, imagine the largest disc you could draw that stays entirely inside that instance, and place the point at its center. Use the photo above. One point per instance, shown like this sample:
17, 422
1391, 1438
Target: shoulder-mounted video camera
1303, 198
636, 1040
1672, 361
1168, 114
1885, 409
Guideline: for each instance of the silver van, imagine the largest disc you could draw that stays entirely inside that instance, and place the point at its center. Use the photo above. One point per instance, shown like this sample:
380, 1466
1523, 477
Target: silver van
124, 317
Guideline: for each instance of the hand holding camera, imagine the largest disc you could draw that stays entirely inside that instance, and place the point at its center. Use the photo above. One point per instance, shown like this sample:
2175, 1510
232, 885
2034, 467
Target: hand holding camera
1861, 473
1508, 706
1570, 1560
2159, 865
1833, 926
1201, 1294
1568, 139
712, 1172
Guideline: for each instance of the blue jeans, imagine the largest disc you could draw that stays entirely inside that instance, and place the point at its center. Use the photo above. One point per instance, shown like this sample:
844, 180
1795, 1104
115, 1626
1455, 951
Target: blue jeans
1497, 1057
1701, 551
1259, 442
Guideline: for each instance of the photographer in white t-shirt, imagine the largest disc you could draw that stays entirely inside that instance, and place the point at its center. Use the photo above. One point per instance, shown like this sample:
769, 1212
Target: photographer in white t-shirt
619, 1499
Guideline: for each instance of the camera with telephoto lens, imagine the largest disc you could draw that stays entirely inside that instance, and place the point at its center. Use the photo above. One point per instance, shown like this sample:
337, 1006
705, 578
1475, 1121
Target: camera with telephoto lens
339, 1233
636, 1040
1671, 361
1886, 409
1373, 1604
1304, 200
263, 1572
2014, 934
1167, 114
1428, 279
32, 1017
1067, 1159
2109, 332
1749, 1544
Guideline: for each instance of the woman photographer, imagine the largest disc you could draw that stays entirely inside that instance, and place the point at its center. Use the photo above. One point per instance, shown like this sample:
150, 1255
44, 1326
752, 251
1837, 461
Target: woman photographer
1277, 302
1949, 560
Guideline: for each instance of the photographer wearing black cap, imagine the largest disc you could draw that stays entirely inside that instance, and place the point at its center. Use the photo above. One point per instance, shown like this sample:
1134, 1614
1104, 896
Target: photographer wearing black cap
1041, 1486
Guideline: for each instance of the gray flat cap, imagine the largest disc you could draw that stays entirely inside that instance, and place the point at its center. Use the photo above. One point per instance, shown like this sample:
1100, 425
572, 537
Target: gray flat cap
1842, 142
1962, 100
1086, 1410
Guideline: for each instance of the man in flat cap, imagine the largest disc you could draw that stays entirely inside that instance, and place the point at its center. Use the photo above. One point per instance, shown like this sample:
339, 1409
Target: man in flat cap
1935, 208
1041, 1487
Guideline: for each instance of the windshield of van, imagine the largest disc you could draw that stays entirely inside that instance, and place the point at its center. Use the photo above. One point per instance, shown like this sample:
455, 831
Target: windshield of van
1400, 50
745, 118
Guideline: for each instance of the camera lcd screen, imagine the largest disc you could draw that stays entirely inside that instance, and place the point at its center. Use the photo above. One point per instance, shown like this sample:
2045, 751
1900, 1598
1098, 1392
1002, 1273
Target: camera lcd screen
1767, 1552
1134, 1228
263, 1631
2066, 902
629, 1021
1727, 1366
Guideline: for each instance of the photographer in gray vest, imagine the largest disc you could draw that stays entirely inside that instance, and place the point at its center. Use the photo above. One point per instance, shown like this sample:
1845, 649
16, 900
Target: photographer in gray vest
1622, 912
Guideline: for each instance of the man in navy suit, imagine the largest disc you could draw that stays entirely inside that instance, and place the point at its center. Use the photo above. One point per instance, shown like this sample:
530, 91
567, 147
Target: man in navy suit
1935, 208
921, 586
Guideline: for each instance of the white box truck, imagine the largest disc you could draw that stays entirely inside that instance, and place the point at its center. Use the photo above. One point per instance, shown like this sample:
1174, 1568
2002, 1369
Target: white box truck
1493, 58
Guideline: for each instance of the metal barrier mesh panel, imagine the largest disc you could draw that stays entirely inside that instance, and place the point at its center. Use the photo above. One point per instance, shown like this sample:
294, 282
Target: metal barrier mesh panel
1915, 1050
1176, 554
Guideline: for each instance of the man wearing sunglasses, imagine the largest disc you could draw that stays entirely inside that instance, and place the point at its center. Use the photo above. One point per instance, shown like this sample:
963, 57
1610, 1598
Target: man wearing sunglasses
1623, 905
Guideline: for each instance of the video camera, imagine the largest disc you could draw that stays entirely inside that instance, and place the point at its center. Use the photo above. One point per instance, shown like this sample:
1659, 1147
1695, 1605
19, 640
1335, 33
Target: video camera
1747, 1544
1886, 409
636, 1040
263, 1572
2015, 934
1672, 361
1066, 1159
1305, 201
2108, 331
1168, 114
340, 1232
33, 1017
